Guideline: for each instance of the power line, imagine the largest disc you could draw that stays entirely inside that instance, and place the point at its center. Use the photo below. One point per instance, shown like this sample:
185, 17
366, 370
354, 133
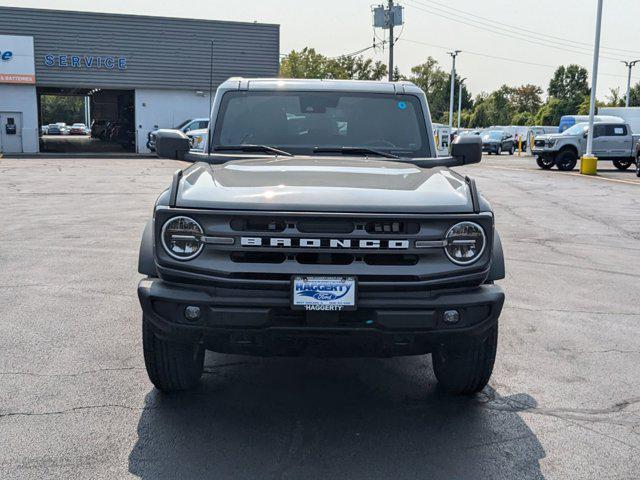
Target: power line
481, 26
496, 57
518, 29
357, 52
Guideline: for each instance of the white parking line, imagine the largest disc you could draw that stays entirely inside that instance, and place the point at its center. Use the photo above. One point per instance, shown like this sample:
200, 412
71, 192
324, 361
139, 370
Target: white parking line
575, 174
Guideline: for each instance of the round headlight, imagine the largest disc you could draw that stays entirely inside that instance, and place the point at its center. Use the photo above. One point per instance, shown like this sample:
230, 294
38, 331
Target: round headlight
182, 238
465, 242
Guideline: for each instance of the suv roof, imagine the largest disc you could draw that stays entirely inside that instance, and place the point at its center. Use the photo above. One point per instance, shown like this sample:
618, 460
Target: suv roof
299, 84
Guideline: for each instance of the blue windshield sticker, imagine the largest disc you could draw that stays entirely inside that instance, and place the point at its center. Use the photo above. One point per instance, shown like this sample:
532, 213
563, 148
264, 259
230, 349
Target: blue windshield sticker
402, 105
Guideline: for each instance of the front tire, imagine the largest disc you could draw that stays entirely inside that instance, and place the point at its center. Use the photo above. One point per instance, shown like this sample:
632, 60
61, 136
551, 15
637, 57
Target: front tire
566, 161
638, 167
465, 368
622, 164
171, 366
512, 150
499, 150
545, 163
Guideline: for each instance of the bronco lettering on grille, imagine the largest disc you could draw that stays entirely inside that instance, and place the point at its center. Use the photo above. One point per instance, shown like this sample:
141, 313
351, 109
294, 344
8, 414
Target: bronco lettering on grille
338, 243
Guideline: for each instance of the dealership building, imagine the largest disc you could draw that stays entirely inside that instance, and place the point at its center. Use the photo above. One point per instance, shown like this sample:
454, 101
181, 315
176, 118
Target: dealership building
137, 72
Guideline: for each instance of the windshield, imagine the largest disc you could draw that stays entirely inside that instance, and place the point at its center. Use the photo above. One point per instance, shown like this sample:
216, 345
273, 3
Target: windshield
298, 122
577, 129
493, 135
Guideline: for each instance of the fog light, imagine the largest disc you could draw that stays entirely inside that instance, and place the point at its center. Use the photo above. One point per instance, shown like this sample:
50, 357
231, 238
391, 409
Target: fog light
192, 313
451, 317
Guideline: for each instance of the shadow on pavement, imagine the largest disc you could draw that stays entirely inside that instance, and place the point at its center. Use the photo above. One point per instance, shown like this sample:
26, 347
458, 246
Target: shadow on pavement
331, 418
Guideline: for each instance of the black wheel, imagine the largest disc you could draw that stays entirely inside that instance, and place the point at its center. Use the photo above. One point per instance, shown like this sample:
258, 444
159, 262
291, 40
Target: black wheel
545, 163
499, 150
171, 366
511, 150
465, 369
638, 167
566, 160
622, 164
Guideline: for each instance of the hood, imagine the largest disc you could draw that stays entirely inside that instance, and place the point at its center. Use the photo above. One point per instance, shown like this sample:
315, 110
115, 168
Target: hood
329, 184
550, 136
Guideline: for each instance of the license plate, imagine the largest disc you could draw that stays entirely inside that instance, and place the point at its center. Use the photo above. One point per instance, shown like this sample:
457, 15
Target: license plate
323, 293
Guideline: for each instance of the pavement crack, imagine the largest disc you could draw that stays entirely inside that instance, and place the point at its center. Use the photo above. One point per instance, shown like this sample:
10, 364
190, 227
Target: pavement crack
77, 409
579, 267
562, 310
590, 415
76, 374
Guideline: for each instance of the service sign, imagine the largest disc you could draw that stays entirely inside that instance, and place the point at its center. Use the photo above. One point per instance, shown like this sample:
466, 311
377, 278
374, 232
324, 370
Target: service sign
16, 60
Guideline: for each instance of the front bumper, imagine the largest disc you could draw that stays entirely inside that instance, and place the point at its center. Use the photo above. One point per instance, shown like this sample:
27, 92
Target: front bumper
262, 323
538, 151
490, 147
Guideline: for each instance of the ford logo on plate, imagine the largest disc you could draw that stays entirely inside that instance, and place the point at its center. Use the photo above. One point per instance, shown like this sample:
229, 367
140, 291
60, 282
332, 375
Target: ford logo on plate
324, 293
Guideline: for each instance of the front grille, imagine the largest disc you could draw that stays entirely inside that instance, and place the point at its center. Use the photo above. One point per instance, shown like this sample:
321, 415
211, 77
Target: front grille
272, 247
391, 226
309, 241
257, 224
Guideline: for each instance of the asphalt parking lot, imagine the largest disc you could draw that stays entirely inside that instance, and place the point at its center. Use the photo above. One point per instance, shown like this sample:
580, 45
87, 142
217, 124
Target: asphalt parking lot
75, 401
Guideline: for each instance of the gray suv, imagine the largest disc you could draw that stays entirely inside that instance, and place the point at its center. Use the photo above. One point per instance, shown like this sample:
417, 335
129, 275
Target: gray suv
318, 221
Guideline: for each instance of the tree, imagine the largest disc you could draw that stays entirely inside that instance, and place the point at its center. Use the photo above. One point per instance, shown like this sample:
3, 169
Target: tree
583, 109
570, 85
526, 98
634, 95
355, 68
436, 84
304, 64
614, 99
550, 112
307, 63
59, 108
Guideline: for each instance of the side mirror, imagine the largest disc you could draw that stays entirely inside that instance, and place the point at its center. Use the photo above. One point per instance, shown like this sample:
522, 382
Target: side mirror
467, 150
172, 144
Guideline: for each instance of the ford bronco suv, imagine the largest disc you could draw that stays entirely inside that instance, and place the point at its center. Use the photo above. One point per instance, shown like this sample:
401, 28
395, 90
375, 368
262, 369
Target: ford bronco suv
319, 221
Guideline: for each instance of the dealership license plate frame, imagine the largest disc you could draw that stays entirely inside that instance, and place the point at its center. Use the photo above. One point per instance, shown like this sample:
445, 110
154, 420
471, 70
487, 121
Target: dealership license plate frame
312, 304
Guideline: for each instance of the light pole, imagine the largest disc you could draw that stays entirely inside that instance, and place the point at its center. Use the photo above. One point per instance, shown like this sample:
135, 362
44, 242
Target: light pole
460, 101
391, 19
453, 54
629, 65
589, 163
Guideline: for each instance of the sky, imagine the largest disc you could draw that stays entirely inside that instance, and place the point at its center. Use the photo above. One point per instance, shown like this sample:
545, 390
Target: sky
531, 38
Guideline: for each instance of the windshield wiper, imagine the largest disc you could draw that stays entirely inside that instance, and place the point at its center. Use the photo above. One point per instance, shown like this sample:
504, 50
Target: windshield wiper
247, 147
354, 150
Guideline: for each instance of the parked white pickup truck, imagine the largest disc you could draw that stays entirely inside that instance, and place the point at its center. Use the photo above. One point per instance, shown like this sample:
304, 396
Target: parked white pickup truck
611, 141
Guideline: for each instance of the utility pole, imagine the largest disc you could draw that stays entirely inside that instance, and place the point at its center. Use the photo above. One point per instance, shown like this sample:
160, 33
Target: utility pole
391, 19
589, 163
629, 65
460, 101
453, 54
387, 18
